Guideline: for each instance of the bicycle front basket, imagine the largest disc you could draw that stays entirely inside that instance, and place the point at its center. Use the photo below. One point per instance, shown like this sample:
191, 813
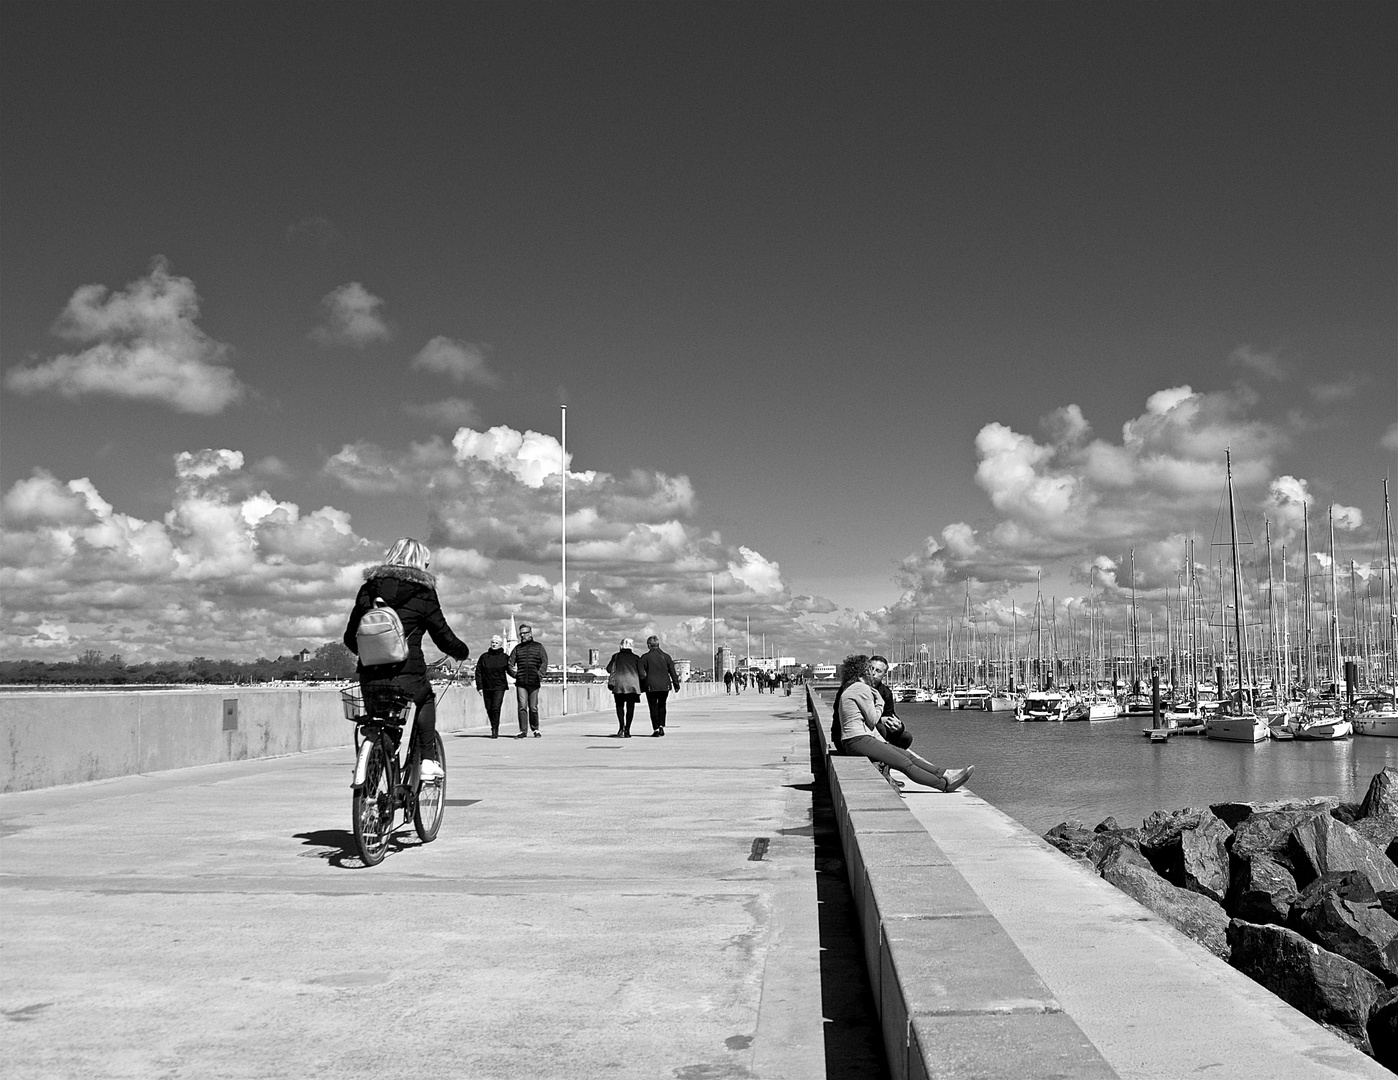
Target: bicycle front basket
352, 701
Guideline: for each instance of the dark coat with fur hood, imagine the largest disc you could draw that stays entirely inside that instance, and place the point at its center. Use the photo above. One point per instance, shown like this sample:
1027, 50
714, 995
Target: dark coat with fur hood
413, 594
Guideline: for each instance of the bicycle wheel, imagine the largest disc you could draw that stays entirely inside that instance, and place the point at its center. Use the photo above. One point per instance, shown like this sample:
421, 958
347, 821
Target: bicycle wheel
373, 807
431, 801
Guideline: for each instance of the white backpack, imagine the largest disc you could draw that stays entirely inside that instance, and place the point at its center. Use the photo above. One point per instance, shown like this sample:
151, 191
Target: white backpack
380, 636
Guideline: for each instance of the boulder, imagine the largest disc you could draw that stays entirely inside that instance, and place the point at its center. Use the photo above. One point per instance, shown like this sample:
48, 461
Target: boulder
1234, 814
1187, 848
1268, 832
1107, 842
1072, 838
1321, 845
1189, 912
1342, 913
1261, 890
1381, 800
1328, 988
1383, 1034
1346, 813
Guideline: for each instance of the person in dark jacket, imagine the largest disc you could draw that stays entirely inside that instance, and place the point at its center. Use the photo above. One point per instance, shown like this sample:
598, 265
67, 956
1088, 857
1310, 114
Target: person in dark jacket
657, 677
528, 662
403, 583
491, 682
625, 679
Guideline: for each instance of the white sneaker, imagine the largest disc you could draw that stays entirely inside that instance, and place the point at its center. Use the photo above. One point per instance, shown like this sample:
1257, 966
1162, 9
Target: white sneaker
430, 771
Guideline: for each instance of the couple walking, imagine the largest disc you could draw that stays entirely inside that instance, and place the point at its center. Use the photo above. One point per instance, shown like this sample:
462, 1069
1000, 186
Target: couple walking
629, 676
526, 664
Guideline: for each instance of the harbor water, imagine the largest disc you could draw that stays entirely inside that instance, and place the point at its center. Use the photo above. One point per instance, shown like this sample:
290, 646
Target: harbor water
1044, 773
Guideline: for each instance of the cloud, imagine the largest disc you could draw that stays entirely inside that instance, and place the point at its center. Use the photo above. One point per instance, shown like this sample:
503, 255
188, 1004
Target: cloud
228, 570
1336, 390
1257, 361
457, 360
1389, 439
452, 412
142, 345
351, 318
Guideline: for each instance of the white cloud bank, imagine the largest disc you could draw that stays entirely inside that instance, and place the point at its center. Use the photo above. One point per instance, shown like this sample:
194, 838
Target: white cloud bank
142, 345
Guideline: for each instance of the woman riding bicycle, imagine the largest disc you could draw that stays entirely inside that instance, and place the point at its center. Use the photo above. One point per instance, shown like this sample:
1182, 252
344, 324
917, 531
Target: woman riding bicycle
403, 583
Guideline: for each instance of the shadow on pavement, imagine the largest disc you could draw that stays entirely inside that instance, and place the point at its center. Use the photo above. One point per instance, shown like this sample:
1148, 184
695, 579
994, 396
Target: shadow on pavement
853, 1036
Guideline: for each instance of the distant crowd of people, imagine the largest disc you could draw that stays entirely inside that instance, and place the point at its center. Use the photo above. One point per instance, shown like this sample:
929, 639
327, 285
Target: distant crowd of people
735, 682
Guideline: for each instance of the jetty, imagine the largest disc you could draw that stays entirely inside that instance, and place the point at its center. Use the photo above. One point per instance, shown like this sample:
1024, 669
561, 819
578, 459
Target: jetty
726, 901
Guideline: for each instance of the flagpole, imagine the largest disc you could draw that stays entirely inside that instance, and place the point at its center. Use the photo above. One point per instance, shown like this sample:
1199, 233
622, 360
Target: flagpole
713, 644
563, 553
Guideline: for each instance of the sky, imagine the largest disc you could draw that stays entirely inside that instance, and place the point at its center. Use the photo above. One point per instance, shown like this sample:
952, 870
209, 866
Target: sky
858, 311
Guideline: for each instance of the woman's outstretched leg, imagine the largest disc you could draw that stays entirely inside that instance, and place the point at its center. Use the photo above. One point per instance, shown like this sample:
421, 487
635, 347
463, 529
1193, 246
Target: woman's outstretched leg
912, 766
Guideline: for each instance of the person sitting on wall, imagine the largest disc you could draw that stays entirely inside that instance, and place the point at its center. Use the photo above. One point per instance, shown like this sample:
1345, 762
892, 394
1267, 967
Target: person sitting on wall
858, 718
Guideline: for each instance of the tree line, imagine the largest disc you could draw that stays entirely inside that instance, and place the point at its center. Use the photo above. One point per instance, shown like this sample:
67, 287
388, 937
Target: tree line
331, 661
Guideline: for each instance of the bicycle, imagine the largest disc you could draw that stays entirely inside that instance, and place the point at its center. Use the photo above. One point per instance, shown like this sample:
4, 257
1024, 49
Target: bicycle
381, 785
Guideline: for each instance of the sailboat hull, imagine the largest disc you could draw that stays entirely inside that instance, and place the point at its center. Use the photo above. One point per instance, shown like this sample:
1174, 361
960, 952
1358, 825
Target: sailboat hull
1245, 729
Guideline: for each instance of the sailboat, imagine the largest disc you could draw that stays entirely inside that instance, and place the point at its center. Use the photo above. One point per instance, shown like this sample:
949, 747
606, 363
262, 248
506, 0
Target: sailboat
1378, 715
1236, 720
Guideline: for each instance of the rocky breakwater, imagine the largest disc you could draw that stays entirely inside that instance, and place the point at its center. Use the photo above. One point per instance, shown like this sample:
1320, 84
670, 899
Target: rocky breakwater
1300, 896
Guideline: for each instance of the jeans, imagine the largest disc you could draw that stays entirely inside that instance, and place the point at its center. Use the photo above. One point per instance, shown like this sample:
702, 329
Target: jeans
626, 709
655, 699
419, 691
905, 761
493, 700
528, 700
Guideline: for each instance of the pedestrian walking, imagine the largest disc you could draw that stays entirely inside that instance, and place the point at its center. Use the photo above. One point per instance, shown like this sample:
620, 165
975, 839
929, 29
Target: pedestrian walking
527, 665
491, 668
657, 677
624, 681
727, 682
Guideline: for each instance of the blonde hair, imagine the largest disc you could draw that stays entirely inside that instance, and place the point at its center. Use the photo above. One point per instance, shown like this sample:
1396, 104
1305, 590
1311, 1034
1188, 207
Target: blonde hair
408, 552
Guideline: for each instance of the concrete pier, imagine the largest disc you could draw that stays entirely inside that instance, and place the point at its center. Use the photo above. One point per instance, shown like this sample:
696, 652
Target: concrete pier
644, 908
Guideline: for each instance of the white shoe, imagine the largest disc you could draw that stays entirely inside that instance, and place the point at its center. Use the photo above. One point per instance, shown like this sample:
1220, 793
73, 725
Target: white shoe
431, 771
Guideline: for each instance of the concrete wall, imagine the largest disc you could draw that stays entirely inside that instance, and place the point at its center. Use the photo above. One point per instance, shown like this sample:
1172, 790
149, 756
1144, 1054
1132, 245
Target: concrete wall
47, 739
949, 984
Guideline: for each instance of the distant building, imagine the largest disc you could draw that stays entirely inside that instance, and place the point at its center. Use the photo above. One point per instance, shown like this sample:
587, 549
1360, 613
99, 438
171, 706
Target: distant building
769, 663
824, 671
684, 668
724, 660
594, 658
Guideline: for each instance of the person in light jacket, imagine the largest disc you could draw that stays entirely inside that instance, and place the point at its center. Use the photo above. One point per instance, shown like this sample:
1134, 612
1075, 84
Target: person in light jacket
859, 714
624, 679
657, 677
491, 682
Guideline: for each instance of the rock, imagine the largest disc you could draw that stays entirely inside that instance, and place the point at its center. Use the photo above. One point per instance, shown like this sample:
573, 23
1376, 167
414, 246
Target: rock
1328, 988
1346, 813
1379, 831
1233, 814
1187, 848
1107, 842
1381, 800
1109, 824
1072, 838
1321, 845
1383, 1034
1342, 913
1267, 832
1189, 912
1261, 890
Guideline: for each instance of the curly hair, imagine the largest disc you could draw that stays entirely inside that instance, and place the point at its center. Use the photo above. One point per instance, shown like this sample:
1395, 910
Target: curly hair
855, 667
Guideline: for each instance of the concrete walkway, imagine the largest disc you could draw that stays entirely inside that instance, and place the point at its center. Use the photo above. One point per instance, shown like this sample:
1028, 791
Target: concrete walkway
593, 907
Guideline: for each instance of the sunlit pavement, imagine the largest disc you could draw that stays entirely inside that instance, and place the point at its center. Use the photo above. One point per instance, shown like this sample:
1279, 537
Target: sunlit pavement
593, 907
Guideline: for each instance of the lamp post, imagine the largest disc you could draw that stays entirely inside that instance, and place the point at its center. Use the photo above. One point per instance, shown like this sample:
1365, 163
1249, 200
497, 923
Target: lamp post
563, 551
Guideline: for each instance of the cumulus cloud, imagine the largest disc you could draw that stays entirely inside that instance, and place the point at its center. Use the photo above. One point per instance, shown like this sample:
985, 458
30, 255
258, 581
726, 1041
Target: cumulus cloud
1389, 439
142, 345
452, 412
352, 317
457, 360
1335, 390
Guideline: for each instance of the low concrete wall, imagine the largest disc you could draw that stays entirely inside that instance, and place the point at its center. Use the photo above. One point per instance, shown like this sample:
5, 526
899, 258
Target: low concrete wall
955, 995
68, 738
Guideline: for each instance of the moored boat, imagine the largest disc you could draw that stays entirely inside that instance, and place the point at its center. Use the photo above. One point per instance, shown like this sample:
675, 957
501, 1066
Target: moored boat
1376, 716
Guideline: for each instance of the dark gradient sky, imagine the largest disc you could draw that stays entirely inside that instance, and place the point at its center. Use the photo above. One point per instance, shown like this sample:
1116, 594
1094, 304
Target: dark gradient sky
799, 253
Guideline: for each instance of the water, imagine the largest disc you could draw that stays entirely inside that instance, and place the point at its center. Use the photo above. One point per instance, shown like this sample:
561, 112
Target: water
1041, 774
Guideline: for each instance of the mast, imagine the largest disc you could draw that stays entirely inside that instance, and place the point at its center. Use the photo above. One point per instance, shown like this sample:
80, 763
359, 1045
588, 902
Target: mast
1388, 589
1334, 611
1286, 633
1237, 579
1135, 632
1307, 625
1271, 609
